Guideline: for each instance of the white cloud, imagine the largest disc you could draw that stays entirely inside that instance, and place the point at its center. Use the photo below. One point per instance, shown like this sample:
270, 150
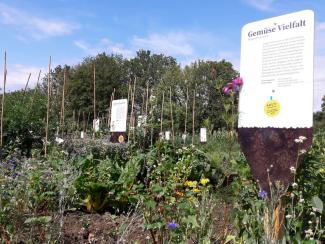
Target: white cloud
264, 5
17, 75
104, 45
174, 43
183, 45
33, 26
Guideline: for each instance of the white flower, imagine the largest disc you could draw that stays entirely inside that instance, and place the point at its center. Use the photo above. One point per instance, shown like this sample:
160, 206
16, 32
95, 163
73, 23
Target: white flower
292, 169
303, 151
302, 138
58, 140
294, 185
309, 231
301, 200
288, 216
310, 222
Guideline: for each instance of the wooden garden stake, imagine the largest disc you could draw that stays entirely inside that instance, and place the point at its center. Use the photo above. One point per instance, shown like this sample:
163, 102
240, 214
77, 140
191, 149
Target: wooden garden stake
146, 110
39, 76
142, 105
152, 118
84, 120
171, 114
27, 83
94, 97
48, 106
78, 121
110, 107
162, 113
87, 121
131, 127
3, 96
186, 108
193, 116
63, 103
186, 105
74, 119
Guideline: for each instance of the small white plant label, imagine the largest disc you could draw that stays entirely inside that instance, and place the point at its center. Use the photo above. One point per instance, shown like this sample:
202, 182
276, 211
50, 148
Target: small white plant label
167, 135
203, 134
96, 125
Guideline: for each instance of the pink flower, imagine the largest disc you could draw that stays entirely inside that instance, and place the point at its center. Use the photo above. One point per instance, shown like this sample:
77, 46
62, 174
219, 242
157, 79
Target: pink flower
233, 86
238, 81
226, 90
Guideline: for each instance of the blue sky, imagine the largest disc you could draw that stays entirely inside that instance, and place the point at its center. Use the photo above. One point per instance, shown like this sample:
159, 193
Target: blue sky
70, 30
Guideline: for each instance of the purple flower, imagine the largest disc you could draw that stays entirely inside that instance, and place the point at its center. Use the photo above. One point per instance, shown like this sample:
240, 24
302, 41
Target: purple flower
262, 194
226, 90
172, 225
233, 86
238, 81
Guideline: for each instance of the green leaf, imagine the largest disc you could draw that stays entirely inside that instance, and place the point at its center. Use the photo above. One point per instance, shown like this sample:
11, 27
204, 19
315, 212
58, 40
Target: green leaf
191, 219
150, 204
317, 204
38, 220
230, 238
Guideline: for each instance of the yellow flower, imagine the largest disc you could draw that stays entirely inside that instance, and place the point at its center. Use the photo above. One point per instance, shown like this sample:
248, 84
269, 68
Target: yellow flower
204, 181
196, 190
190, 183
179, 193
322, 171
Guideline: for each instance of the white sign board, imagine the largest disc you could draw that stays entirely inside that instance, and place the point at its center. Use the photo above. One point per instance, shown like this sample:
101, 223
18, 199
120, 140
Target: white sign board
203, 134
277, 69
96, 125
119, 115
167, 135
184, 136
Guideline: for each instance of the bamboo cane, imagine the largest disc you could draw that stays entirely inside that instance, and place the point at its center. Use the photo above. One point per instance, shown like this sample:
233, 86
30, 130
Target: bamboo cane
87, 122
193, 116
186, 105
27, 83
110, 107
94, 99
162, 113
142, 105
171, 114
37, 83
132, 110
146, 110
3, 96
152, 118
63, 103
48, 106
78, 121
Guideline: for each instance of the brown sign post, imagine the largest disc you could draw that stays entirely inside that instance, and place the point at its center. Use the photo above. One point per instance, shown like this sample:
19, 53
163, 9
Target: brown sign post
276, 100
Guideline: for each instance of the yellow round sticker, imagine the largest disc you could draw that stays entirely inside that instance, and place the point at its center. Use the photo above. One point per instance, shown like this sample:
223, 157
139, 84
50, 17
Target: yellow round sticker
121, 139
272, 108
